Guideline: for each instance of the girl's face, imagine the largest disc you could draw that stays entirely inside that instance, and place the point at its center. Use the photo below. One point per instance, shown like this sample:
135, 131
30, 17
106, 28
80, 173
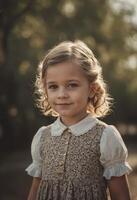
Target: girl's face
68, 90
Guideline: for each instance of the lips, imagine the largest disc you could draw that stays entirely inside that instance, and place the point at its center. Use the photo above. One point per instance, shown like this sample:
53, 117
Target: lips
63, 104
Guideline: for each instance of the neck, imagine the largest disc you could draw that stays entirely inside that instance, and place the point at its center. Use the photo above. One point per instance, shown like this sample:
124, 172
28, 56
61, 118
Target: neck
72, 121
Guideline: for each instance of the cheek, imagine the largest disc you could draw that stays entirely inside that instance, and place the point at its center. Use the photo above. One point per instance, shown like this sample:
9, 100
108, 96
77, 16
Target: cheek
85, 97
82, 98
50, 96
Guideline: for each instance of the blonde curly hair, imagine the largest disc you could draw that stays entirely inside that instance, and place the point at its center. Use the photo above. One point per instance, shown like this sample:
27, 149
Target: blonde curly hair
78, 53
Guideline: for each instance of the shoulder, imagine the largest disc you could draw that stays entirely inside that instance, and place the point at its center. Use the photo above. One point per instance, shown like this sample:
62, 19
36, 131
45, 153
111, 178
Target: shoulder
100, 123
112, 133
109, 130
112, 139
44, 130
36, 141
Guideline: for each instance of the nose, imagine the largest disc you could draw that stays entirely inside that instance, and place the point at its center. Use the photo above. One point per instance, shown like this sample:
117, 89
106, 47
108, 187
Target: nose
62, 93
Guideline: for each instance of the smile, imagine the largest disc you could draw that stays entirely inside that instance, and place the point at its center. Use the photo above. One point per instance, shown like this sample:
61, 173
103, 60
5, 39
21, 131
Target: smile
63, 104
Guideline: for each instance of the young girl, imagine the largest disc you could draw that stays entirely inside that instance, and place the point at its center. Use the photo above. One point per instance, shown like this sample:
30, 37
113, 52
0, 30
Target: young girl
78, 156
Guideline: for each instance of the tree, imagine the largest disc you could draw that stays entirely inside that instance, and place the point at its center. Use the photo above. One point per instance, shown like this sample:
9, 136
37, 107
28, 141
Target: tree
29, 28
10, 13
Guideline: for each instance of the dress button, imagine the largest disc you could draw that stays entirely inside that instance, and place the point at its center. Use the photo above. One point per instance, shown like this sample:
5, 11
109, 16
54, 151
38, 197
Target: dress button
69, 131
66, 142
61, 163
64, 155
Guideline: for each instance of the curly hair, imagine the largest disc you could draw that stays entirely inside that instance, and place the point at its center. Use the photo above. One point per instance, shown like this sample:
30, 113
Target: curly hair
78, 53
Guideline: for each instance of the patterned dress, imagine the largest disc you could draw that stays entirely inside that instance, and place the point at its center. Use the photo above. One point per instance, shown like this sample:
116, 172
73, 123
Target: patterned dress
71, 168
74, 162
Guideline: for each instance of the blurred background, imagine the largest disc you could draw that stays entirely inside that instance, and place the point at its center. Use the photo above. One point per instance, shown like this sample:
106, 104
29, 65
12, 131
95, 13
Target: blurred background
28, 28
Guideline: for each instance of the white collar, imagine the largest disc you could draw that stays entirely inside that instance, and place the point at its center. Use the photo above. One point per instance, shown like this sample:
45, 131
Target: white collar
57, 128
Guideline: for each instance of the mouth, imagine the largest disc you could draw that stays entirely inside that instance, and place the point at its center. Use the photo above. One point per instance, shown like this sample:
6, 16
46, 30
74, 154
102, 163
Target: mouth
63, 104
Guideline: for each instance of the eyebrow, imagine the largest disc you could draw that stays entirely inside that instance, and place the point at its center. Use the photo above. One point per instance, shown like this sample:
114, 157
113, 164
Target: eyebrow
54, 82
51, 82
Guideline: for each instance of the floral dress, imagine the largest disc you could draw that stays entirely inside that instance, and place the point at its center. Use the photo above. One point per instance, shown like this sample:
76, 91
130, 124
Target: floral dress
75, 162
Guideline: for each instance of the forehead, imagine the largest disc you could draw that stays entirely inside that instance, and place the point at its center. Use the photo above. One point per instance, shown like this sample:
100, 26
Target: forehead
65, 70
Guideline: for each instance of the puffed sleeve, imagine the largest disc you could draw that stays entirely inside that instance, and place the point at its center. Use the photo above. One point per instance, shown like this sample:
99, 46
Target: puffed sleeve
113, 153
34, 169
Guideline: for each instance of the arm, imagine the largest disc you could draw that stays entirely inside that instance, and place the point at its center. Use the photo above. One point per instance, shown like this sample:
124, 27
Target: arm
118, 188
34, 189
35, 168
114, 160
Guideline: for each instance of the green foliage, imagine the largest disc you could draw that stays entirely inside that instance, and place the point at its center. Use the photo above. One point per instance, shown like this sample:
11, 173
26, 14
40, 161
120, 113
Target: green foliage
29, 28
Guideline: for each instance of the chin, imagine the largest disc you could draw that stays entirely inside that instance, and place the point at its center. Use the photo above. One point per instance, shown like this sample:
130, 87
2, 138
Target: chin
65, 114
